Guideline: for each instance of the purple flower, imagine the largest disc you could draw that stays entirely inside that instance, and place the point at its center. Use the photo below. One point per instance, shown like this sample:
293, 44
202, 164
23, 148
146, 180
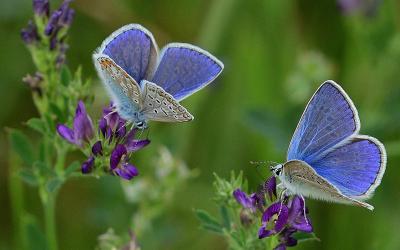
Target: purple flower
286, 239
29, 34
41, 7
97, 149
112, 131
119, 164
82, 127
87, 166
133, 145
127, 171
60, 18
273, 220
243, 199
67, 14
297, 218
116, 156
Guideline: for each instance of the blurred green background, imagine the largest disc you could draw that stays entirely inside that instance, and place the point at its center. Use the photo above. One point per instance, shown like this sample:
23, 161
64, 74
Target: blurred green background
276, 53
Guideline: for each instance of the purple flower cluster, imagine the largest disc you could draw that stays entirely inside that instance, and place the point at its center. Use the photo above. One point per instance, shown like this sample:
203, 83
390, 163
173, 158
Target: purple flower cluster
282, 218
115, 141
54, 25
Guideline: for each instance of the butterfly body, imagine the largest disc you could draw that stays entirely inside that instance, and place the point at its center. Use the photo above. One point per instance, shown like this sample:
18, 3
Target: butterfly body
145, 86
327, 159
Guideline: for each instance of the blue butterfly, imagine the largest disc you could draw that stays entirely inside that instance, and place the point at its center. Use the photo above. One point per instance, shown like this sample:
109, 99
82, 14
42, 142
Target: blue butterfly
147, 86
327, 159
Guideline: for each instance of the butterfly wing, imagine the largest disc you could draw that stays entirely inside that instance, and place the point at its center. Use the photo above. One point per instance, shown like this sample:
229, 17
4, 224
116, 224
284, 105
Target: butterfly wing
124, 90
134, 49
158, 105
327, 139
355, 168
184, 69
329, 118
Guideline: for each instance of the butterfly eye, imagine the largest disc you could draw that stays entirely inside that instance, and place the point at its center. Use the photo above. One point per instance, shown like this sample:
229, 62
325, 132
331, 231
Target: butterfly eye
140, 125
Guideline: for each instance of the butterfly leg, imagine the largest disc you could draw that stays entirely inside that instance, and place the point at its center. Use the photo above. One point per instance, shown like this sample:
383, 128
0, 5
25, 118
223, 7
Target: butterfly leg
280, 186
282, 197
304, 209
112, 112
123, 126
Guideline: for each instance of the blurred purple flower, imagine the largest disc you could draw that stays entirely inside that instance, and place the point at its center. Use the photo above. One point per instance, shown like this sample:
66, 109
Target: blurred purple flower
41, 7
273, 220
367, 7
119, 164
29, 34
52, 25
87, 166
97, 149
60, 18
113, 130
243, 199
347, 6
286, 239
270, 187
82, 127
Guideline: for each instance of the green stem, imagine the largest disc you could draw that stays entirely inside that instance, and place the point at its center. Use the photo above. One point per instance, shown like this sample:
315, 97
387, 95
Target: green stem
60, 162
49, 217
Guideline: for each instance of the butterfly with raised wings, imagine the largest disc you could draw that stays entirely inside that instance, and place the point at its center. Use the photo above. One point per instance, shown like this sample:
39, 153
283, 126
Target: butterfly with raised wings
146, 86
327, 159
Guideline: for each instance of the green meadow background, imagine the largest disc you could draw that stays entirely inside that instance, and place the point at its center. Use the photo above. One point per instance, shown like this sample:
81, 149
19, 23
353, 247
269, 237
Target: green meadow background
276, 53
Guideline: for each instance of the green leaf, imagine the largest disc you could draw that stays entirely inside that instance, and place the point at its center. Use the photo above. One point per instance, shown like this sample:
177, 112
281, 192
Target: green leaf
27, 176
72, 168
43, 168
37, 125
50, 122
54, 184
57, 112
301, 236
206, 218
211, 228
225, 217
22, 146
65, 75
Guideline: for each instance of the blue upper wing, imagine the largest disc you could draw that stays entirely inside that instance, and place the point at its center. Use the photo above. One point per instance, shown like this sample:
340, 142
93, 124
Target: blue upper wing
133, 48
184, 69
329, 118
355, 168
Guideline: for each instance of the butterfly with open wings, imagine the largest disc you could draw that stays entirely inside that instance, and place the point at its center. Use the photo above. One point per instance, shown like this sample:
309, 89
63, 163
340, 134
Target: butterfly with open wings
327, 159
147, 86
